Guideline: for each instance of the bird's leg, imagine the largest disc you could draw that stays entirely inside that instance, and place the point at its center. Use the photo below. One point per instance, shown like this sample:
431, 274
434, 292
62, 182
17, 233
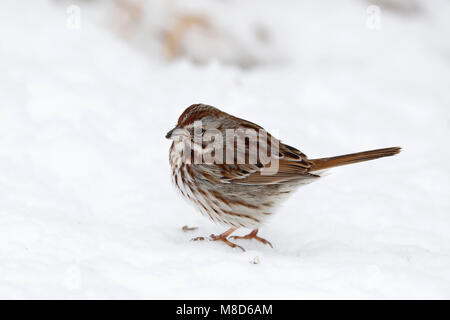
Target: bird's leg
221, 237
252, 235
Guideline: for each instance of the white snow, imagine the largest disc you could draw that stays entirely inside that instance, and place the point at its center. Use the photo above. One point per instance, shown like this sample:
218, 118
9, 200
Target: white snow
86, 205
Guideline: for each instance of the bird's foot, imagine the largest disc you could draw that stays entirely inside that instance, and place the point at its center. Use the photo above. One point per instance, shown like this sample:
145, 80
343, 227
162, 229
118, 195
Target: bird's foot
221, 237
253, 235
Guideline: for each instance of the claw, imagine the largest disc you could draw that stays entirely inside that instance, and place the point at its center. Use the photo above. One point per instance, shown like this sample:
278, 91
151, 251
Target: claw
222, 238
252, 235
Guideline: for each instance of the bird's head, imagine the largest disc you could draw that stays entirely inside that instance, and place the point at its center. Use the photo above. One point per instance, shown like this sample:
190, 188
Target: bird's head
197, 119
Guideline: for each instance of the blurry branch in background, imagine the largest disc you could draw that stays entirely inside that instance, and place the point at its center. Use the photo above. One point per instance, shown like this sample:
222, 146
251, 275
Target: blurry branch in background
196, 31
230, 32
127, 15
175, 34
398, 6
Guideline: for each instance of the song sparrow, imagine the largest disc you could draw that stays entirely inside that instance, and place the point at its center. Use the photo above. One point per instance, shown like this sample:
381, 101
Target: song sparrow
234, 190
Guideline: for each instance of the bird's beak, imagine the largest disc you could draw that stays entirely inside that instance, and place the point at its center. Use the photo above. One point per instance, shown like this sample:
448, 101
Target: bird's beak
177, 132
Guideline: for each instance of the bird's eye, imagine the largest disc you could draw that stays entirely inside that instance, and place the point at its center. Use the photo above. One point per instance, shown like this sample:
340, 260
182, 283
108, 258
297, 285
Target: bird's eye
199, 131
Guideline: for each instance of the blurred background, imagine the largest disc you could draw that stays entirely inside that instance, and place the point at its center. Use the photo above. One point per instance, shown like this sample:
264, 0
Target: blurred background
89, 88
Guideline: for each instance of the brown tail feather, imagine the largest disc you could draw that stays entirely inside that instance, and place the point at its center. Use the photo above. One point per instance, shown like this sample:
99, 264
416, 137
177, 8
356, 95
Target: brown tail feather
325, 163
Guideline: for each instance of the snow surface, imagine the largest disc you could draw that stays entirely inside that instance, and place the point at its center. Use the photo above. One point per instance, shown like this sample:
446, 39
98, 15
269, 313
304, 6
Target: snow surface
86, 205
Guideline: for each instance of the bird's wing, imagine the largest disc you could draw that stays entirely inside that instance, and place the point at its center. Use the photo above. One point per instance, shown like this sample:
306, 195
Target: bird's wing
292, 164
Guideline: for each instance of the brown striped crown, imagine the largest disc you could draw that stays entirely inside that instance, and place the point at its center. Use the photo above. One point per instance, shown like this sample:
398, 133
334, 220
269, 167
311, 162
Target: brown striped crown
196, 112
